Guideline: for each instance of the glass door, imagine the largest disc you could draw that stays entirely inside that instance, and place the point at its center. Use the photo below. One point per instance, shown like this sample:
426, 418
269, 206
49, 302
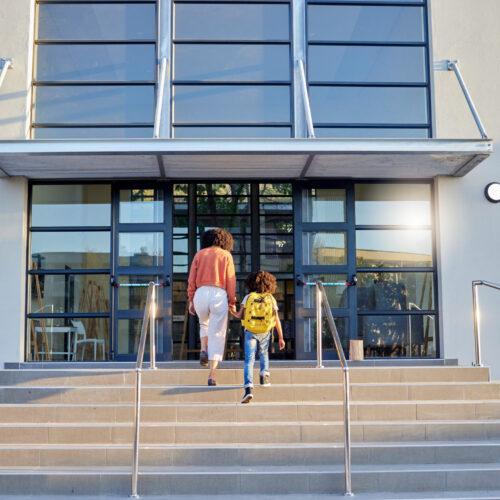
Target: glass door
142, 242
324, 250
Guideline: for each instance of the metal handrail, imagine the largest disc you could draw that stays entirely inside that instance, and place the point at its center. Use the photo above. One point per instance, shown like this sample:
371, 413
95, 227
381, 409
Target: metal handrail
149, 317
453, 66
159, 97
305, 96
475, 303
6, 64
320, 294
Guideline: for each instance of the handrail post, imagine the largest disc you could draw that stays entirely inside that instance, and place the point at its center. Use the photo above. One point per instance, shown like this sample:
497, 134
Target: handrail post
453, 66
305, 97
477, 332
152, 331
159, 97
135, 458
6, 64
319, 324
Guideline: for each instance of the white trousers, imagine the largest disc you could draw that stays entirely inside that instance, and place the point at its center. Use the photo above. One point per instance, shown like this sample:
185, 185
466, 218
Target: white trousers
211, 306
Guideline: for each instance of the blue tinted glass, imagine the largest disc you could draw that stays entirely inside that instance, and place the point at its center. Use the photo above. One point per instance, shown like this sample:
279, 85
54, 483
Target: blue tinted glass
371, 133
247, 62
232, 104
366, 64
96, 22
369, 105
93, 133
204, 21
102, 62
94, 104
365, 23
232, 132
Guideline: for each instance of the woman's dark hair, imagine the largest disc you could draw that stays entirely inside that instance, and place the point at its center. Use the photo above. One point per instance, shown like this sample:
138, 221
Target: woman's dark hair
261, 282
217, 238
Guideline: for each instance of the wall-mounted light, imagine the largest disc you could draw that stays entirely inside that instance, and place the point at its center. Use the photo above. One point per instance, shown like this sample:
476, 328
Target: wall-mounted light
492, 192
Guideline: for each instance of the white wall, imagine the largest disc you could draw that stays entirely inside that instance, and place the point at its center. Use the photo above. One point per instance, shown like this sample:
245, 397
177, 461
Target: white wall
469, 225
16, 42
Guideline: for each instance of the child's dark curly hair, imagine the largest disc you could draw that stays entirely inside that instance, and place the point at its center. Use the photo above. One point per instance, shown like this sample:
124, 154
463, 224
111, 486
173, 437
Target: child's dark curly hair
261, 282
217, 238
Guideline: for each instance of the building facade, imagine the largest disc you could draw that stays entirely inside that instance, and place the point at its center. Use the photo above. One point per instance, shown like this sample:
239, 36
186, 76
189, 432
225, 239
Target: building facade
329, 137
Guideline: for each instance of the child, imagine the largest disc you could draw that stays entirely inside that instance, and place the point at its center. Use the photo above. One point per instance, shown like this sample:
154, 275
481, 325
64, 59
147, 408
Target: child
259, 314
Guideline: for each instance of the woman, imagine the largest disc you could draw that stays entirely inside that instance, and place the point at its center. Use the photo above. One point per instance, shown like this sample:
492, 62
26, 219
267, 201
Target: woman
211, 285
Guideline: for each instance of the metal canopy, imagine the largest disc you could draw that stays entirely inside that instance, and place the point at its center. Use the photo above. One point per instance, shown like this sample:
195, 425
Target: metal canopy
235, 158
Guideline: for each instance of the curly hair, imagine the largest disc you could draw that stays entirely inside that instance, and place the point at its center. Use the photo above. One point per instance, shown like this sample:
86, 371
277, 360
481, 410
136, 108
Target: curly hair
261, 282
217, 238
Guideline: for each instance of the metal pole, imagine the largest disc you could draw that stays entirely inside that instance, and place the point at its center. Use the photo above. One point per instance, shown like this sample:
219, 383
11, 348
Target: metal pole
159, 97
347, 435
6, 64
477, 332
319, 322
152, 330
135, 463
305, 95
453, 66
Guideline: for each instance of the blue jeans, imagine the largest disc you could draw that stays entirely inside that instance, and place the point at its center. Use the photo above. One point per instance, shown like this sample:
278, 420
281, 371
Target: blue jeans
251, 341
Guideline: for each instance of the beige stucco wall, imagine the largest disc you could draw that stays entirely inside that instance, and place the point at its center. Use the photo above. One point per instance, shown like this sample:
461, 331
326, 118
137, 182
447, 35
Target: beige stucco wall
468, 225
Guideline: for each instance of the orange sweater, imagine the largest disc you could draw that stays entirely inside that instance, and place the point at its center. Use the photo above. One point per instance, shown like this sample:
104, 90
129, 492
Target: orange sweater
213, 266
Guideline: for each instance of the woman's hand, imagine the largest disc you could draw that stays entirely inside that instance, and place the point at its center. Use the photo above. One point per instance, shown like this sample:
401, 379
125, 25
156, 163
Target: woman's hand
192, 310
282, 344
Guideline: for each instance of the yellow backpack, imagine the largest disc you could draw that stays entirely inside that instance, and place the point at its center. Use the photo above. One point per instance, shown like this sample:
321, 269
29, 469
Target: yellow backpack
259, 313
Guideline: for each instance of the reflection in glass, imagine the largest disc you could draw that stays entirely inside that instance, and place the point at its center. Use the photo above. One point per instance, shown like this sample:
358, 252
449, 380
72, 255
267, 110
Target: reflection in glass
337, 63
235, 62
206, 21
71, 205
337, 295
140, 249
276, 263
396, 291
231, 103
180, 251
326, 248
371, 133
365, 105
365, 23
92, 133
69, 293
231, 223
141, 205
135, 297
129, 334
326, 336
275, 189
232, 132
68, 339
323, 205
115, 104
70, 250
222, 205
398, 336
222, 190
391, 248
96, 22
276, 244
276, 224
273, 204
395, 204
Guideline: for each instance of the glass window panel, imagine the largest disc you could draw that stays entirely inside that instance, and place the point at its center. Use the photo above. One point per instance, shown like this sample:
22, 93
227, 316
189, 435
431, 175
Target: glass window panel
371, 133
222, 189
71, 205
140, 249
390, 248
275, 204
69, 293
102, 62
141, 205
352, 23
337, 295
223, 205
398, 336
366, 64
401, 204
397, 291
235, 62
326, 336
276, 224
233, 224
369, 104
180, 252
326, 248
323, 205
68, 339
70, 250
242, 243
242, 263
135, 297
96, 22
232, 132
205, 21
180, 205
276, 263
94, 104
129, 334
276, 244
277, 189
92, 133
231, 103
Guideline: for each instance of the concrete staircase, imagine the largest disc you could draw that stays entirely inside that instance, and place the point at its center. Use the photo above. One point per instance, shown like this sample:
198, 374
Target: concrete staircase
69, 432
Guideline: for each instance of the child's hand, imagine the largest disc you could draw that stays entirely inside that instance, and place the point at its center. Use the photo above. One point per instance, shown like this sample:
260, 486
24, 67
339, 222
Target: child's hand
282, 344
192, 310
